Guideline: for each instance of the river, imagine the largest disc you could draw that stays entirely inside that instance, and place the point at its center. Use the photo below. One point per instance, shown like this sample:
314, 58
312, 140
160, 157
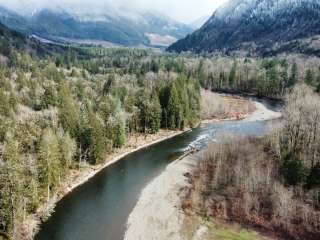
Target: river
99, 209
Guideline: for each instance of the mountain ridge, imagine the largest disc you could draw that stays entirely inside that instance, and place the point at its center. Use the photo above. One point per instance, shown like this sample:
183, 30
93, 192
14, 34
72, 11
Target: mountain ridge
260, 27
123, 27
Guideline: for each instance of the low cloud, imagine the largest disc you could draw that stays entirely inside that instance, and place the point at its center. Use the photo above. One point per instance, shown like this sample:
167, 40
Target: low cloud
182, 10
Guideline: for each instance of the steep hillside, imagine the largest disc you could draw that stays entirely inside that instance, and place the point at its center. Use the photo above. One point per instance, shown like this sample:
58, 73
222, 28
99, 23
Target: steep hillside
117, 26
10, 39
12, 42
263, 27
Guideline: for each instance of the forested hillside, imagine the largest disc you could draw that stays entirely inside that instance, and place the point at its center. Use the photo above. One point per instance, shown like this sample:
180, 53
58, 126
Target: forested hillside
14, 43
255, 27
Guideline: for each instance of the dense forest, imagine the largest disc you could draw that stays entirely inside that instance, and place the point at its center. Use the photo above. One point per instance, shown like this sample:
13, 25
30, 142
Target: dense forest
63, 107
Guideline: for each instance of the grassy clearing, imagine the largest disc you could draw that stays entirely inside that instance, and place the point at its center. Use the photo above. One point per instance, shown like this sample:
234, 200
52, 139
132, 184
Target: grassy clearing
216, 231
229, 234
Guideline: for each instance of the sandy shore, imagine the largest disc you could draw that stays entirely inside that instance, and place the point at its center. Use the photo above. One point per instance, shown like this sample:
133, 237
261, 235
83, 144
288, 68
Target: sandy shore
262, 113
157, 215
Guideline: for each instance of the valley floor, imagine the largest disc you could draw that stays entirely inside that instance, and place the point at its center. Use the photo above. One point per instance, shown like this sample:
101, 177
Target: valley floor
158, 214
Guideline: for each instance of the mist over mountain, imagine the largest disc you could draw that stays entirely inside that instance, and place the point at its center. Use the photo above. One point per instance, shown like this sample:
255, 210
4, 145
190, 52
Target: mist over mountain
258, 27
97, 23
198, 23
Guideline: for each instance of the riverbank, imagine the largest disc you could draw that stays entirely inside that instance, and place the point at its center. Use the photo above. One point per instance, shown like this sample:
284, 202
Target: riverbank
232, 107
158, 214
134, 143
242, 109
80, 176
262, 114
224, 107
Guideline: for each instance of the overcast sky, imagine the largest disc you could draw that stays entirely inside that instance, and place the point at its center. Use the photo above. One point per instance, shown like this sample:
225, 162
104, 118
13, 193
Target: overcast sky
182, 10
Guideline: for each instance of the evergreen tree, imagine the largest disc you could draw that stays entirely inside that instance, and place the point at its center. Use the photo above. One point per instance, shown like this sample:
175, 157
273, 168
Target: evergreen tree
164, 101
309, 79
108, 107
80, 90
49, 98
149, 112
318, 84
13, 59
273, 80
222, 79
97, 139
313, 179
173, 108
12, 184
201, 74
318, 88
83, 136
294, 75
284, 78
293, 170
120, 131
5, 109
232, 75
68, 112
155, 115
108, 84
154, 66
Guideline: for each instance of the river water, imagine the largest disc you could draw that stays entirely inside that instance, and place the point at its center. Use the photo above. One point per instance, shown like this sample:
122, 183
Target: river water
99, 209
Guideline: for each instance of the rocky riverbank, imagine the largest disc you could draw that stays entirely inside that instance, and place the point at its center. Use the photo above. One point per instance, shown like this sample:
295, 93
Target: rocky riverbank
158, 215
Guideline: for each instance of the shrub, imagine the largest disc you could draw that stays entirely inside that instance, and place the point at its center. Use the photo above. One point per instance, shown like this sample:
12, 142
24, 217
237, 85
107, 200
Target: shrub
313, 179
293, 170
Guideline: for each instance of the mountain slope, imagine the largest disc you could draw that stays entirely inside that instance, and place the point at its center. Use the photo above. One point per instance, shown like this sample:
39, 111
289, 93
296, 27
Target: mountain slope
119, 26
263, 27
12, 42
